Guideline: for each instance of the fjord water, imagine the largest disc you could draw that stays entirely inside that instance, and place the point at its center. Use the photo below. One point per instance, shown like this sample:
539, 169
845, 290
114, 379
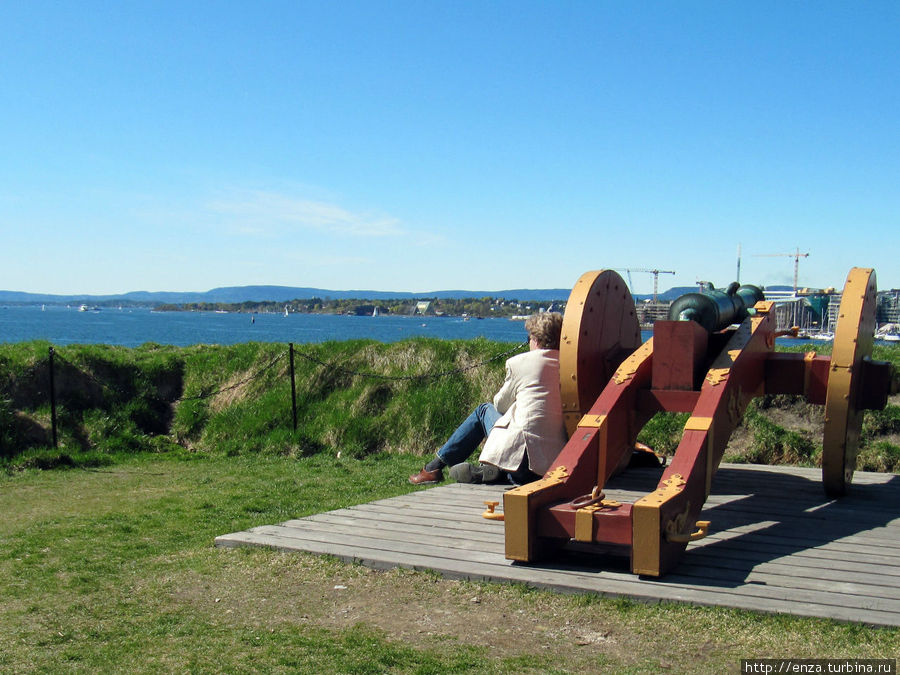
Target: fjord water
131, 327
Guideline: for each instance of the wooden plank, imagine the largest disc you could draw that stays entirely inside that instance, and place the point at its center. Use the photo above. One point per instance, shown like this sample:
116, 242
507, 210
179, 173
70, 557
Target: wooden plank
785, 577
756, 506
749, 558
698, 560
785, 550
437, 555
390, 538
780, 544
483, 530
559, 580
840, 536
787, 545
812, 567
362, 520
773, 575
370, 523
857, 551
441, 548
796, 538
798, 504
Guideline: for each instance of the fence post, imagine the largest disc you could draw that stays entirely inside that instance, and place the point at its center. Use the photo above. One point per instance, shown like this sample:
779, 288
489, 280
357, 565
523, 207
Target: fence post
52, 401
293, 386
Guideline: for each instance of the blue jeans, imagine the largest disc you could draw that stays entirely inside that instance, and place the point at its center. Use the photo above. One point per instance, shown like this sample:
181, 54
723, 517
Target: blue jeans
474, 429
464, 441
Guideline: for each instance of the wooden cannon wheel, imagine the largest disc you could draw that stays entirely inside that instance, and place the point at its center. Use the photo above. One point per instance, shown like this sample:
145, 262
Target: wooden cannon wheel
600, 328
853, 339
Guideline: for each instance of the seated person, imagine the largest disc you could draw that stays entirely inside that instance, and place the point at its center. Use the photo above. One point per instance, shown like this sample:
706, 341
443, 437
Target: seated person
523, 427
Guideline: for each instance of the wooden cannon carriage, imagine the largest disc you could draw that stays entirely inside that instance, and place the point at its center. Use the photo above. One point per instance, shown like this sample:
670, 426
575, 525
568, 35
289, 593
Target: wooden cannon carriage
612, 385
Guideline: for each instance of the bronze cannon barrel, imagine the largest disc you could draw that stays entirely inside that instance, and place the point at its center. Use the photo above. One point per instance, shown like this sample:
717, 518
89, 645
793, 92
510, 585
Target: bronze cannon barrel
715, 309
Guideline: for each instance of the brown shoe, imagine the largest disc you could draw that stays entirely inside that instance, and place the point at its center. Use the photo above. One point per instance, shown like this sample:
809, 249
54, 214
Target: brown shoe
425, 477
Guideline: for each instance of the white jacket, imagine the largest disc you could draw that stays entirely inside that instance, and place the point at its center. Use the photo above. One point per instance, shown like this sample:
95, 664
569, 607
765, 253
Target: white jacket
532, 417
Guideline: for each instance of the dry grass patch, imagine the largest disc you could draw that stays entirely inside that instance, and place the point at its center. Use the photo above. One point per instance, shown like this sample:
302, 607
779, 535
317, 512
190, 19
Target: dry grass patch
269, 591
233, 390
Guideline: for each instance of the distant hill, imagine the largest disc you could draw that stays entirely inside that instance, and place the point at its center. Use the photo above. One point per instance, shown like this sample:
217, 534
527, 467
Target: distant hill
669, 295
236, 294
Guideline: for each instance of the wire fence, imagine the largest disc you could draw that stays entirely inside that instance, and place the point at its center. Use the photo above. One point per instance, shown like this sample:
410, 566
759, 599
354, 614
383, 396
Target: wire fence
420, 377
55, 359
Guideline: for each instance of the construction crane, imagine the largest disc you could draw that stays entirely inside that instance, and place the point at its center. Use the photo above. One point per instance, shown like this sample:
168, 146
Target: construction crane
655, 274
796, 256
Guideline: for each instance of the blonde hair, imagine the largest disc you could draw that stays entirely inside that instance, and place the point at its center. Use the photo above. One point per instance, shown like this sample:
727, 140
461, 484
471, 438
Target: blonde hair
545, 328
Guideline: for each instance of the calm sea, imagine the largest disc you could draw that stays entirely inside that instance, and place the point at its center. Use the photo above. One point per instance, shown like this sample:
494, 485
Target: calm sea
131, 327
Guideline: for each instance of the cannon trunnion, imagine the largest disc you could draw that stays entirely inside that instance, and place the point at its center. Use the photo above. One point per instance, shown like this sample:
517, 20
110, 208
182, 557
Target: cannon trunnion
697, 362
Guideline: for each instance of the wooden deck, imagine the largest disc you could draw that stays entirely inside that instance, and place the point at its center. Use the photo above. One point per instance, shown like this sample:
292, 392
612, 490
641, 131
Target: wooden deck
776, 544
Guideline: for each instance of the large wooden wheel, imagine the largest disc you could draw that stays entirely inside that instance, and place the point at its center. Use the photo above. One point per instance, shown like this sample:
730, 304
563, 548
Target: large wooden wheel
600, 328
853, 339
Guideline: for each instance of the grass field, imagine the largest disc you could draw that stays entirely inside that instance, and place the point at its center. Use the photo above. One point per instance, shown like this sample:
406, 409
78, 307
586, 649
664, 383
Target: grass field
107, 561
360, 396
113, 569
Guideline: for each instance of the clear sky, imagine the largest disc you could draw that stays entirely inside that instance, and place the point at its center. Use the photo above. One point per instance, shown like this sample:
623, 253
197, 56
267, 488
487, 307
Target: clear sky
416, 146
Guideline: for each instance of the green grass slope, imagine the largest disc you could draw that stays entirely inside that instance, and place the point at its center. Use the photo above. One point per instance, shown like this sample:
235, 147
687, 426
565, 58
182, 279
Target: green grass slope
354, 397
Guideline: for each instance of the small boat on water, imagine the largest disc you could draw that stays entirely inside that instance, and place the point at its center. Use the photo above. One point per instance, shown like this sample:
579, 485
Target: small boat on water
889, 332
825, 337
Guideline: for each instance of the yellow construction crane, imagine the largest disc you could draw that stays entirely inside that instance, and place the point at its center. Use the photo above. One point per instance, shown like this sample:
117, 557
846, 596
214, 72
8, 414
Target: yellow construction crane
655, 274
796, 256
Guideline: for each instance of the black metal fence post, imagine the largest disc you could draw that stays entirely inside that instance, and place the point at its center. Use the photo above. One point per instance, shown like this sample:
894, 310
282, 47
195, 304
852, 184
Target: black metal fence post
52, 401
293, 386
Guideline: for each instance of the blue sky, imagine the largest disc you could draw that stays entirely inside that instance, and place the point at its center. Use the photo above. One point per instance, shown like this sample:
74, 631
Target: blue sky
417, 146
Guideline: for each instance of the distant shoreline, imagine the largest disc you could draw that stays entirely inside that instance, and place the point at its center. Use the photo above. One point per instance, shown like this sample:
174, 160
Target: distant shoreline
475, 308
240, 294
